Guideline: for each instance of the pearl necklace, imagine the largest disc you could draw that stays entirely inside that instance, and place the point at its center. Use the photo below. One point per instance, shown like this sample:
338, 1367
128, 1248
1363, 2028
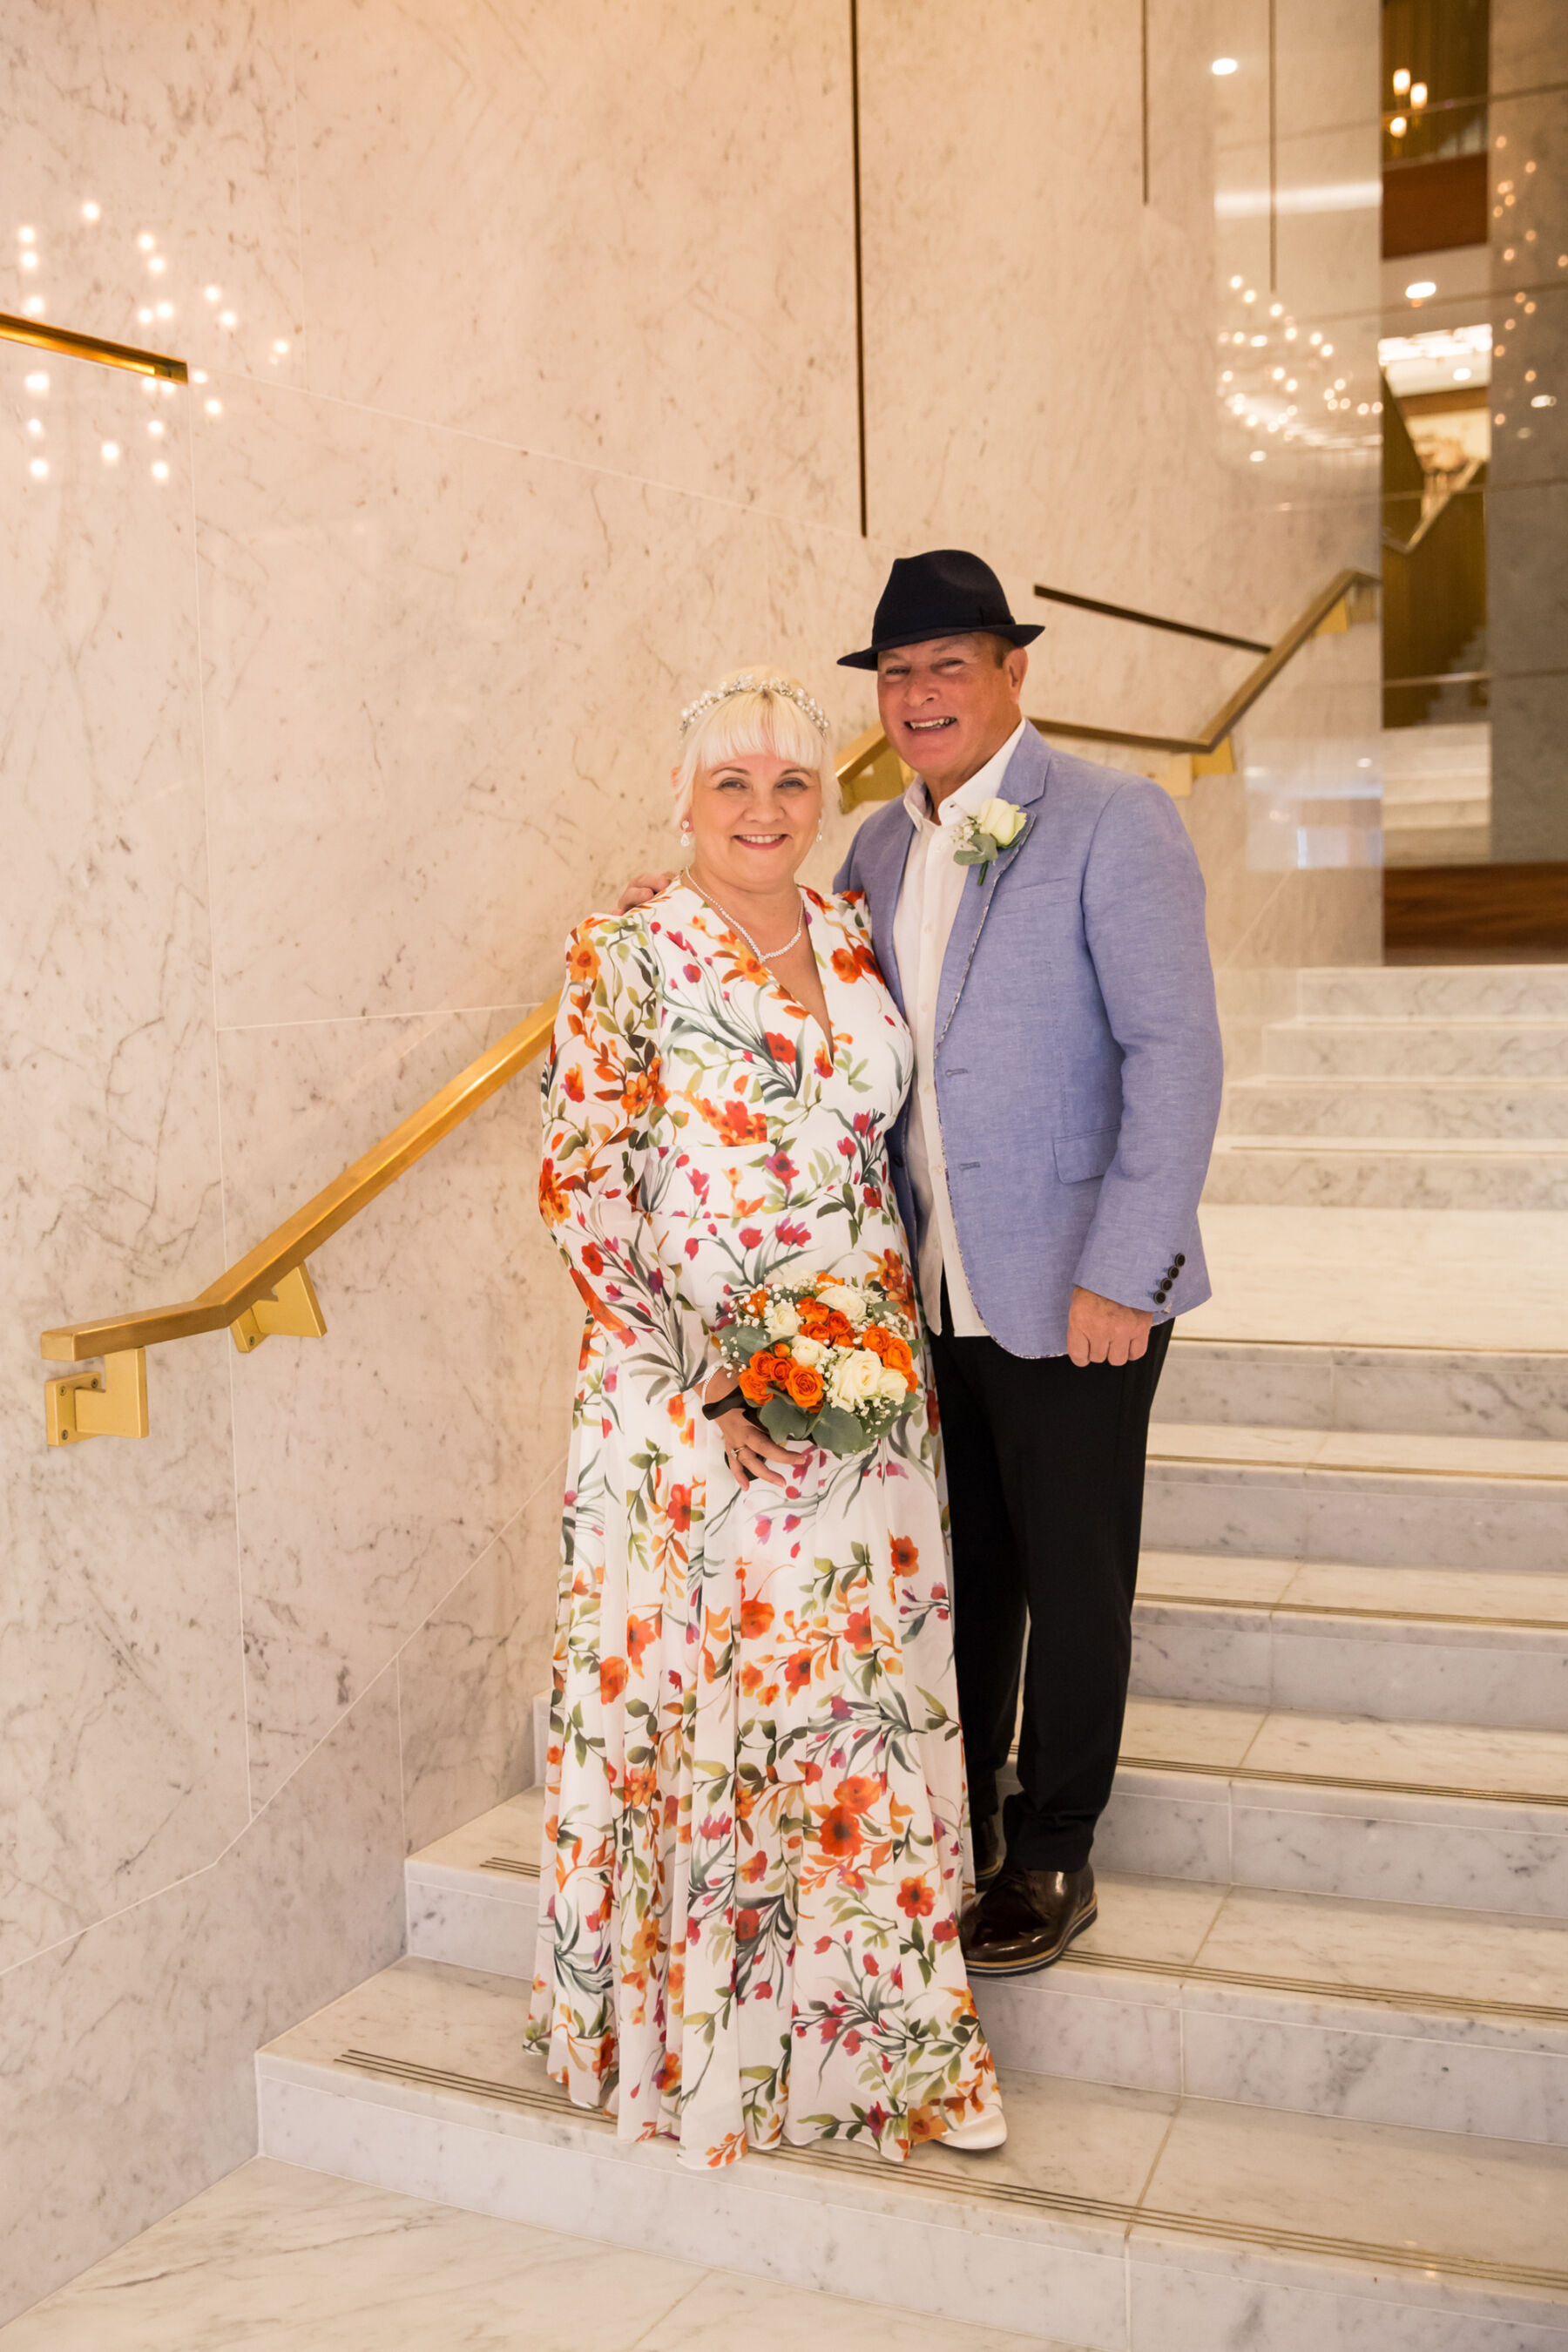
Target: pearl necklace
763, 955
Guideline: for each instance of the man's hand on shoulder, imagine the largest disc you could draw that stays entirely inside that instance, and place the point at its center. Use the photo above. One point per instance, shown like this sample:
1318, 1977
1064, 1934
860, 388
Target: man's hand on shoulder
1103, 1331
640, 891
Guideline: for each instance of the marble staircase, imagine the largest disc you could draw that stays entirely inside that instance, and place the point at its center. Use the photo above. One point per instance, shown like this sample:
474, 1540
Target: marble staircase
1304, 2084
1435, 1087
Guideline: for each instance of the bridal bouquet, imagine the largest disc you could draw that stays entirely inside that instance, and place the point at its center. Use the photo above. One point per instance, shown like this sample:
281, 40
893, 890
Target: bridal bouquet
826, 1360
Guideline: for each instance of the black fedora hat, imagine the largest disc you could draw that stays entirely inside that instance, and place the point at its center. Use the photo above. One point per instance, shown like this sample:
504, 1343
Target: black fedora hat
946, 594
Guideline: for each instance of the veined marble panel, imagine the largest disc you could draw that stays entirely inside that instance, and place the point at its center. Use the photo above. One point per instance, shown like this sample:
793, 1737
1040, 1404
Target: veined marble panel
274, 2249
467, 1679
623, 239
375, 1468
126, 2069
443, 688
175, 126
123, 1759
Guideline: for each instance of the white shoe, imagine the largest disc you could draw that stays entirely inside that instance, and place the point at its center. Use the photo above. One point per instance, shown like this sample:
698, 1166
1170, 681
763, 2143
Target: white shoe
989, 2130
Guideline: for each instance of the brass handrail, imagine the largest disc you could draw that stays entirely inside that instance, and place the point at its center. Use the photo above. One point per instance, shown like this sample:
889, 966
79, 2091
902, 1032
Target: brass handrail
269, 1291
1307, 623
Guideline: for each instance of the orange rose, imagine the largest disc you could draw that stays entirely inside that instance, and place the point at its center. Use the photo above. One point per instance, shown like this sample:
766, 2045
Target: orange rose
803, 1385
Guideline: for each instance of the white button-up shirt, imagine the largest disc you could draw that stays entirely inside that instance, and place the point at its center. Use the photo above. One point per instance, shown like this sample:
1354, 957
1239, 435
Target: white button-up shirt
929, 902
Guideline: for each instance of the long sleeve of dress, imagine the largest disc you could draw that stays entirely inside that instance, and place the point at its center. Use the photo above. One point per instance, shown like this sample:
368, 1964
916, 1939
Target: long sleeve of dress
601, 1086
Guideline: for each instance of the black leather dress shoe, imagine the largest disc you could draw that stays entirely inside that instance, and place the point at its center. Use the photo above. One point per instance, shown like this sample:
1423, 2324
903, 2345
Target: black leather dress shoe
986, 1836
1026, 1920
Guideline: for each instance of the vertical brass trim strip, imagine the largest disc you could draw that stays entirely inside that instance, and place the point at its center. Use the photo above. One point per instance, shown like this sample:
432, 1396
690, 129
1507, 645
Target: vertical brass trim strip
859, 268
1273, 151
1143, 40
91, 347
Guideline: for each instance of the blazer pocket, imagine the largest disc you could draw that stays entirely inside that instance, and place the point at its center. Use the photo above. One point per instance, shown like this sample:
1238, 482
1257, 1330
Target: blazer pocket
1079, 1157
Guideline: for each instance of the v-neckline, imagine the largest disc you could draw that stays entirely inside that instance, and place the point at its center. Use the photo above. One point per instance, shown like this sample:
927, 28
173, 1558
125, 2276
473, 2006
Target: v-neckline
776, 985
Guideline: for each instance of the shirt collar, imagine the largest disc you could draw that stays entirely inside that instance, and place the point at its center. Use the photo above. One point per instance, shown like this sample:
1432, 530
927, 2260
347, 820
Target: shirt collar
970, 798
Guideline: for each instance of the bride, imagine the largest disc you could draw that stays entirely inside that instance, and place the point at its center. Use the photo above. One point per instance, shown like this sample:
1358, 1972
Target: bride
756, 1845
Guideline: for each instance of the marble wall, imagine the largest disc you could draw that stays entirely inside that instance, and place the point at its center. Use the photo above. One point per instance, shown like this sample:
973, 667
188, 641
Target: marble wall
522, 403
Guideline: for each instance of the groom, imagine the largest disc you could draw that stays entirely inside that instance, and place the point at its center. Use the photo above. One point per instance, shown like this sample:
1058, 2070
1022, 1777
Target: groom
1049, 1164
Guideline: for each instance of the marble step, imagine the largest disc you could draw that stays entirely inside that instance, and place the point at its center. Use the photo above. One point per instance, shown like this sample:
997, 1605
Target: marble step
1461, 1816
1395, 1645
1123, 2221
1417, 1049
1488, 991
1321, 1172
1441, 1392
1380, 1497
1320, 2006
1460, 1109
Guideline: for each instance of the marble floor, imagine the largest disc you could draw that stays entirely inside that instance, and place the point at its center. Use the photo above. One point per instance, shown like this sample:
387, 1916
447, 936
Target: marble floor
276, 2256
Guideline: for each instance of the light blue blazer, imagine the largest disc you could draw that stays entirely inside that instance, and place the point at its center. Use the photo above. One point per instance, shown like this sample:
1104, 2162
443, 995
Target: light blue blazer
1078, 1048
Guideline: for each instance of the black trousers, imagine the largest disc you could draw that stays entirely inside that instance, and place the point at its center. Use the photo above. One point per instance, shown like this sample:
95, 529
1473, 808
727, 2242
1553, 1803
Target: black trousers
1044, 1480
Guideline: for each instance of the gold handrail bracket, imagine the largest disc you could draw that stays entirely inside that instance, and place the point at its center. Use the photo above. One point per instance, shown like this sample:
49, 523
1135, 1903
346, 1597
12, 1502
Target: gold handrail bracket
111, 1403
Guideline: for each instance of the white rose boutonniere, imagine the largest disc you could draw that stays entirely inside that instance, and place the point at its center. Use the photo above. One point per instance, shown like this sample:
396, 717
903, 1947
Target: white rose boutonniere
981, 839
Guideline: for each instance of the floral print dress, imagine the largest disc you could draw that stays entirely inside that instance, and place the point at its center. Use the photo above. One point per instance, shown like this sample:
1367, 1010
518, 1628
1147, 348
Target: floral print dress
755, 1843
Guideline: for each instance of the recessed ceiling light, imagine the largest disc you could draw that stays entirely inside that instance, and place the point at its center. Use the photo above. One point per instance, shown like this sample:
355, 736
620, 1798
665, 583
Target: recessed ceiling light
1420, 289
1224, 65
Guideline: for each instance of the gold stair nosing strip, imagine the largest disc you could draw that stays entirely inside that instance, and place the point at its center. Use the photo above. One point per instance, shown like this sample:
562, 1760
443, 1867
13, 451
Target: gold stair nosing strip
1341, 1781
1357, 1469
1481, 2267
1328, 1609
1254, 1980
1384, 1996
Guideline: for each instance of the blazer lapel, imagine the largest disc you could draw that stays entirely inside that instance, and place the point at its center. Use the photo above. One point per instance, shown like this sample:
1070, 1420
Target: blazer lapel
1023, 783
884, 871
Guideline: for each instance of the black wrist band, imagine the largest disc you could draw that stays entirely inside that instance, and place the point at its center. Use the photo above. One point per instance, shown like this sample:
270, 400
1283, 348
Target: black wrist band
724, 1404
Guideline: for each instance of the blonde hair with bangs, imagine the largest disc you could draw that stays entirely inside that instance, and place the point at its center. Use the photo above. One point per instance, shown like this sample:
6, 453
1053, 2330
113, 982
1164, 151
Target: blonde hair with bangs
758, 717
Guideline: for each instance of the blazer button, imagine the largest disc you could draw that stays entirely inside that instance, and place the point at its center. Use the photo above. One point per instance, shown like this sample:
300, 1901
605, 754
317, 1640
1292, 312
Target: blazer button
1180, 1259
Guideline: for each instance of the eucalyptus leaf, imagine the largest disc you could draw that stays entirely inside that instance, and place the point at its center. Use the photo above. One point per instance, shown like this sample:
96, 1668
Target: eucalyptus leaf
782, 1420
838, 1430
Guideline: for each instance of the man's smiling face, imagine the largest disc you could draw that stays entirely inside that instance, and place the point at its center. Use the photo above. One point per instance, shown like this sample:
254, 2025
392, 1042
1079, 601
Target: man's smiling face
949, 704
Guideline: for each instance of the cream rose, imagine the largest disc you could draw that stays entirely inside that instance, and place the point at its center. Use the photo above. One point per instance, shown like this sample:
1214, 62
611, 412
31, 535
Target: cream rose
850, 1303
809, 1352
1001, 820
892, 1384
781, 1320
855, 1379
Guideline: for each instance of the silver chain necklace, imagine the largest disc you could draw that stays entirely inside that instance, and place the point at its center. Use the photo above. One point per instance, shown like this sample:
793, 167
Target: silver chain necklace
763, 955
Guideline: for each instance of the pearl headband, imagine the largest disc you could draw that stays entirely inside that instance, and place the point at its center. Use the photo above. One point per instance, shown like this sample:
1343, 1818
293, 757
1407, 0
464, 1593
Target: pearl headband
747, 684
